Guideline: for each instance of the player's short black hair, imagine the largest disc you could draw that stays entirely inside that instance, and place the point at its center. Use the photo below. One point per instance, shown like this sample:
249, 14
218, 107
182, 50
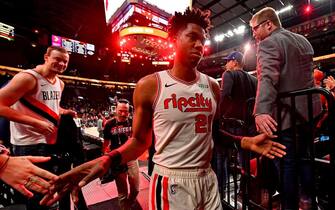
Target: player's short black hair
180, 20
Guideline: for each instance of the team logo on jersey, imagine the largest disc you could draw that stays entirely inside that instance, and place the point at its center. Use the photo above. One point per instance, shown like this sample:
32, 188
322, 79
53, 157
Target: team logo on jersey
203, 86
169, 85
173, 189
198, 103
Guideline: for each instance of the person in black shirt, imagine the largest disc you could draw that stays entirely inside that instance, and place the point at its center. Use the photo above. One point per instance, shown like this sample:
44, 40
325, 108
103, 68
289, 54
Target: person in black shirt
116, 133
237, 87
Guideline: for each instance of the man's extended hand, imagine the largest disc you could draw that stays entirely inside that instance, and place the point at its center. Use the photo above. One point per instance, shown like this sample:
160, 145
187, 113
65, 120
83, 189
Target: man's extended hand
265, 124
76, 178
263, 145
24, 176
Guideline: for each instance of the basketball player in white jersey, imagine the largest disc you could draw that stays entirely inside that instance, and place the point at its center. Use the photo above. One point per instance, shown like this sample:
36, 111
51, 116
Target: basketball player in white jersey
180, 105
40, 89
31, 101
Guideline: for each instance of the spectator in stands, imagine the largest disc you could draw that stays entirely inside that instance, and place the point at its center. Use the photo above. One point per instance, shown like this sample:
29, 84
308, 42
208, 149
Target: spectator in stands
318, 82
318, 77
237, 87
330, 84
99, 126
106, 118
31, 102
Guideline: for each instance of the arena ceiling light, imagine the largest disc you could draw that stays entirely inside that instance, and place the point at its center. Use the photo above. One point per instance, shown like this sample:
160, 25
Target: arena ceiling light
308, 9
284, 9
160, 63
236, 31
219, 38
229, 33
240, 30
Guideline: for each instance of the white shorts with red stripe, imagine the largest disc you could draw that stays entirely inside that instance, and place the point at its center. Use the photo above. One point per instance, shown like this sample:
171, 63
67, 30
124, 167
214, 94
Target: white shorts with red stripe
183, 189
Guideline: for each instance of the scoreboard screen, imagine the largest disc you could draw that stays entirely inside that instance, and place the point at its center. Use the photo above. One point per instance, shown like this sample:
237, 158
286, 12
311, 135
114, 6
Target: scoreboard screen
110, 7
80, 48
73, 46
68, 45
6, 31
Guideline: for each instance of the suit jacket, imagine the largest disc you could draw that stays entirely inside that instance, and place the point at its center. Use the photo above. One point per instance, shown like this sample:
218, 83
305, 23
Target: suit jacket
284, 63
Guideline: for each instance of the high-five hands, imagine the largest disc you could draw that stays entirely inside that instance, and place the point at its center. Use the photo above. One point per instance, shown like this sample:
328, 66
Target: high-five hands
20, 173
76, 178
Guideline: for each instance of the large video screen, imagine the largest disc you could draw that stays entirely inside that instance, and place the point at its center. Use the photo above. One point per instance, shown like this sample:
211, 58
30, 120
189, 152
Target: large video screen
111, 6
169, 7
6, 31
72, 45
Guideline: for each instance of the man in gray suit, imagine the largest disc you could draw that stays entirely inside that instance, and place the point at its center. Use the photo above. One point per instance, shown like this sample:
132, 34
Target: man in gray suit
284, 63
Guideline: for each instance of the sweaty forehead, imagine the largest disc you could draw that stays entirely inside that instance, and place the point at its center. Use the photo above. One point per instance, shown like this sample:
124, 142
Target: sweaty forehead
194, 28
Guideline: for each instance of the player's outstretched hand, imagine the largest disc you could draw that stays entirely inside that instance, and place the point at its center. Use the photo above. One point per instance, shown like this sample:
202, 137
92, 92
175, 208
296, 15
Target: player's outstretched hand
264, 145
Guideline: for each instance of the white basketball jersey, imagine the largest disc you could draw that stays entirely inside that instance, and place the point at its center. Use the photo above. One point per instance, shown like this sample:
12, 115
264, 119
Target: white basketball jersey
43, 105
182, 122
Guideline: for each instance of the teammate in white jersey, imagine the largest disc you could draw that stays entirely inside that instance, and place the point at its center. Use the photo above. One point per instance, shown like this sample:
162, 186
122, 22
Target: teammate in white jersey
31, 102
24, 85
179, 105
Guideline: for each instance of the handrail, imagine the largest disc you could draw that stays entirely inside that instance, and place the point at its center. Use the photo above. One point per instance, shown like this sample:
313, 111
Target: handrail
331, 123
326, 93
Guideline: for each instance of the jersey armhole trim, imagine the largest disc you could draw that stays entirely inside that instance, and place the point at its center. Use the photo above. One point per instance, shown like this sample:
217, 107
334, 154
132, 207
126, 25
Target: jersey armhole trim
158, 90
211, 88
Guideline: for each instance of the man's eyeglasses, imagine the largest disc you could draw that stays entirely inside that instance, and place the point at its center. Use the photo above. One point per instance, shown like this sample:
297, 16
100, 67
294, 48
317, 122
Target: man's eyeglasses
258, 25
